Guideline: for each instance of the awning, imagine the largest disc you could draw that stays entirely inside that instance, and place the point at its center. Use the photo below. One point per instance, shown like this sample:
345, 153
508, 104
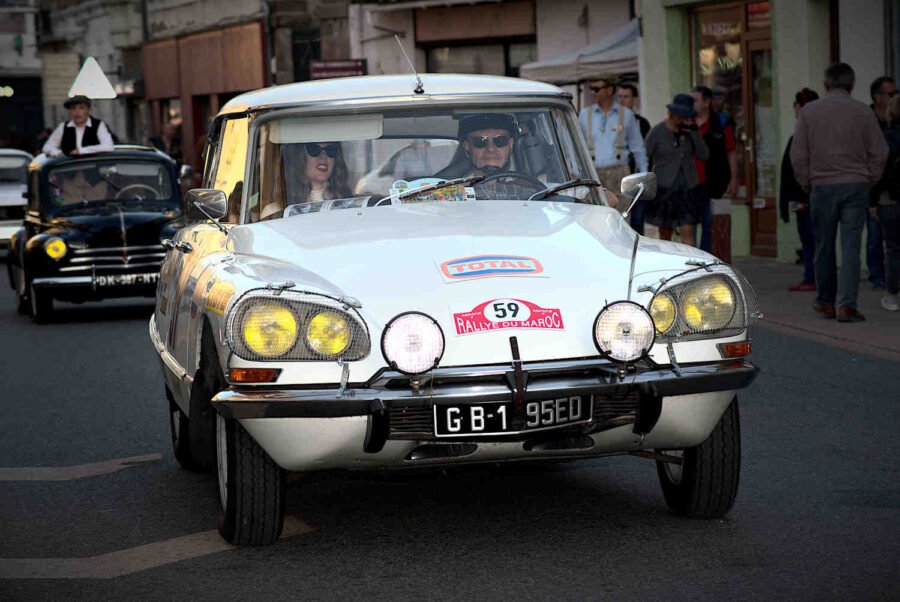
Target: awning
614, 54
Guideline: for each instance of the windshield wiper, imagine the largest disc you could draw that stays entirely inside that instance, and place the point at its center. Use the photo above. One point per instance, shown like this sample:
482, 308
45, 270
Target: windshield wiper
543, 194
432, 187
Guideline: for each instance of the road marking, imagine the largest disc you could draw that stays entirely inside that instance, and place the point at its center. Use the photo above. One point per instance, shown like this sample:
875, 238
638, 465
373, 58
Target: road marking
68, 473
132, 560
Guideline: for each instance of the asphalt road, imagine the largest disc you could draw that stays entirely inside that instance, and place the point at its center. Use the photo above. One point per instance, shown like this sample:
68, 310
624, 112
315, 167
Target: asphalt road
817, 515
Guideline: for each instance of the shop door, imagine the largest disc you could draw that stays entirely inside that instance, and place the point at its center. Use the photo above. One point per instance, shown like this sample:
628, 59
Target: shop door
761, 148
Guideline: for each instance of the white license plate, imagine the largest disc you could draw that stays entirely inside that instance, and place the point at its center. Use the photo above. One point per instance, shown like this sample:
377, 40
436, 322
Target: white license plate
126, 279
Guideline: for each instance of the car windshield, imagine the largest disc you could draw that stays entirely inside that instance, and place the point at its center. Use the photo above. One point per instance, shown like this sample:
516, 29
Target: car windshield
13, 170
308, 164
129, 183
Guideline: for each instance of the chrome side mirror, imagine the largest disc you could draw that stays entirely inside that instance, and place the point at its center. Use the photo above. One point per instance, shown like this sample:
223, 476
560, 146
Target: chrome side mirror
185, 171
206, 203
631, 185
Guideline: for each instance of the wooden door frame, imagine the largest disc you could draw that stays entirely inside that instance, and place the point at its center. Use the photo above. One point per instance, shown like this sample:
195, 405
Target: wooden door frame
749, 46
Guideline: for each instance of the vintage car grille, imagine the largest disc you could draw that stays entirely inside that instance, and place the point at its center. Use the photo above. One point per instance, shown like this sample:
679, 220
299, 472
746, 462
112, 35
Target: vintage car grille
609, 411
113, 260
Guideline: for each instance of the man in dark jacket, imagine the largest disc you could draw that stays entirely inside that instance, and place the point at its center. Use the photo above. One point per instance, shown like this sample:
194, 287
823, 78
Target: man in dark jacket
81, 135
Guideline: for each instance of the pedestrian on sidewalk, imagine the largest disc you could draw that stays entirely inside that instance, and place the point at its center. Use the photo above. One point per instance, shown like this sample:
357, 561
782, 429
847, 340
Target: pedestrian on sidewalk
885, 205
838, 154
82, 134
169, 142
881, 91
612, 133
628, 94
672, 146
718, 174
793, 199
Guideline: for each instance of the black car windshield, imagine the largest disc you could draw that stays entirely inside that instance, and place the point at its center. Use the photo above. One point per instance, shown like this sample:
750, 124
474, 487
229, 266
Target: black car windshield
129, 183
13, 169
310, 164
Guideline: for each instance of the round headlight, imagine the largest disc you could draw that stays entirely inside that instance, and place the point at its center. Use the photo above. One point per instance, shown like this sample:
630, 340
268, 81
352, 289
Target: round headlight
55, 248
269, 329
328, 333
413, 343
662, 310
708, 304
624, 331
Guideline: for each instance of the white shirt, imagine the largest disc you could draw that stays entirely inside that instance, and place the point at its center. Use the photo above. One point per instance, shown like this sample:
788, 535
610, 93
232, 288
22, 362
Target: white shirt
51, 148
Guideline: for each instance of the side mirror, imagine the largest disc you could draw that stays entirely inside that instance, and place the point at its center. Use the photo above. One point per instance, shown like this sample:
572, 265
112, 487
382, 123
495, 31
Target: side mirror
631, 185
206, 203
185, 171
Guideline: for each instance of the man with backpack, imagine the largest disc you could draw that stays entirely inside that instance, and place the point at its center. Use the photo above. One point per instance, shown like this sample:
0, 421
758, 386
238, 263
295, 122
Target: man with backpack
718, 174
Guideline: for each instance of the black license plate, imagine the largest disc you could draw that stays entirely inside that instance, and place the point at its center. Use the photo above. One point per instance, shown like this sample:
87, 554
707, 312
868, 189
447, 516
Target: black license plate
498, 418
126, 279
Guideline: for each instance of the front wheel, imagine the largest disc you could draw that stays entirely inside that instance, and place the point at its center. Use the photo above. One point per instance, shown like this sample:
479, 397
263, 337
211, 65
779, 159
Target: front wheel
705, 484
251, 488
179, 428
41, 305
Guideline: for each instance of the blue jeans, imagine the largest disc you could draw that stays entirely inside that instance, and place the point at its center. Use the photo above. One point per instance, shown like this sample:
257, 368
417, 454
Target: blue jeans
889, 216
808, 240
874, 251
832, 205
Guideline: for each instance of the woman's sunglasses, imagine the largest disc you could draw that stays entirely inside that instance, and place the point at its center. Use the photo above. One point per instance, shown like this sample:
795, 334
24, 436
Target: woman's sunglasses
314, 150
482, 141
598, 88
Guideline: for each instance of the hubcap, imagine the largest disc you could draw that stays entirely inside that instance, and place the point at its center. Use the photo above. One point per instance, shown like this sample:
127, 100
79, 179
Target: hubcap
222, 459
675, 471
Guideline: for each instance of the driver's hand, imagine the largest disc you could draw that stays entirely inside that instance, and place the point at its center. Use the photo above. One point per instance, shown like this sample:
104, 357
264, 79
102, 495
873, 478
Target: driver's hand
611, 199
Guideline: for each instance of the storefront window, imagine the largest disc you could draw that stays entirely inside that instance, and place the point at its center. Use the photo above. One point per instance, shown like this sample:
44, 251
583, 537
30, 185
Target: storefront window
494, 59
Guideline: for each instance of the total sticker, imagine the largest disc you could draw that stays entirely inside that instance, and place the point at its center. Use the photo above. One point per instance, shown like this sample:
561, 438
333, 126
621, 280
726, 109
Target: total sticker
501, 314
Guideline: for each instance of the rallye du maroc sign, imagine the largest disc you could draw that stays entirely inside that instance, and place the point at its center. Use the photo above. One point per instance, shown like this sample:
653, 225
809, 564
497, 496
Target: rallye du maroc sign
500, 314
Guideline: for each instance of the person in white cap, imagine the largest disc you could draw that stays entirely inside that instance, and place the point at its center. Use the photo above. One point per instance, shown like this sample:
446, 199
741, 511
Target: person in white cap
81, 135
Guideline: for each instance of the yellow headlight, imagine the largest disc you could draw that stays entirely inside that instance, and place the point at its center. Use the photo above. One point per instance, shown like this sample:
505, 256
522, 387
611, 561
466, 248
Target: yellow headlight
269, 329
708, 305
662, 309
55, 248
328, 333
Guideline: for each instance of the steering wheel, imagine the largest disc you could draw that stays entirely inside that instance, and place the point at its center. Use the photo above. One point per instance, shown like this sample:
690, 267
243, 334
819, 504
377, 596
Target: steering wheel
122, 193
512, 174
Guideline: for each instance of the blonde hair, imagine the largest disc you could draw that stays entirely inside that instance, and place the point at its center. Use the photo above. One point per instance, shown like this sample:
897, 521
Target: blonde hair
893, 110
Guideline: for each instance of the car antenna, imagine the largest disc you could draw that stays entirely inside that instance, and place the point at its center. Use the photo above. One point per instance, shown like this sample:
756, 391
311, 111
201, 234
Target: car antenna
420, 87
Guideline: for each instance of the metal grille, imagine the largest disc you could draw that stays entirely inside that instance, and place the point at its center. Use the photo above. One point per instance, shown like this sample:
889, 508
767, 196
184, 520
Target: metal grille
305, 306
418, 423
147, 258
695, 285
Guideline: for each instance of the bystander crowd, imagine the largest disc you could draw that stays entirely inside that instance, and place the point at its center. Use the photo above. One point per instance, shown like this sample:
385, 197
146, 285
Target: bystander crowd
881, 91
838, 153
794, 199
885, 206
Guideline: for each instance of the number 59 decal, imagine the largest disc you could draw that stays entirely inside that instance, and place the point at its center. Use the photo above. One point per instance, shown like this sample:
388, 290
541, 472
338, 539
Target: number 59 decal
499, 314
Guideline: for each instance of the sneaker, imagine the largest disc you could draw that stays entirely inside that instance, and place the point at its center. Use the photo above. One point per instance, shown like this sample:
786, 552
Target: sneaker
850, 314
890, 302
824, 309
803, 287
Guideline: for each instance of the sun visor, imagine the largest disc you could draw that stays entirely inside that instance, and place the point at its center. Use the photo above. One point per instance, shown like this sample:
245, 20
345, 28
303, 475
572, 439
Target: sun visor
339, 128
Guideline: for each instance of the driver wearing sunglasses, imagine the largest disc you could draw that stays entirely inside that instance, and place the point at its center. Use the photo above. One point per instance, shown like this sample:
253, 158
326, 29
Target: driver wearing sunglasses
488, 139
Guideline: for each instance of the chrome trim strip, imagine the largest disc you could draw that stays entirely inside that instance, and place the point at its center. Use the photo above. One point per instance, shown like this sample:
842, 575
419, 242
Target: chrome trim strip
95, 251
88, 268
62, 281
166, 357
499, 370
117, 258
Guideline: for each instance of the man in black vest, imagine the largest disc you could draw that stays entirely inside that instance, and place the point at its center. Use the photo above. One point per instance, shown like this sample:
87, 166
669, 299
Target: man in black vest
81, 135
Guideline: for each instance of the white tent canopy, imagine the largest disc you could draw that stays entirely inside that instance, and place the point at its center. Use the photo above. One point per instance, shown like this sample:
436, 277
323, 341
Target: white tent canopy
614, 54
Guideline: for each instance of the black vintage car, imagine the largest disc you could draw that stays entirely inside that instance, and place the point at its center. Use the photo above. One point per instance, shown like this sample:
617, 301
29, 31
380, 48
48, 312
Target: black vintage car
93, 228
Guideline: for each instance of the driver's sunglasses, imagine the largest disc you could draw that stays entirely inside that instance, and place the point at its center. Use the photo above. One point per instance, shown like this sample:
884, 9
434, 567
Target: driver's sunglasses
314, 150
598, 88
482, 141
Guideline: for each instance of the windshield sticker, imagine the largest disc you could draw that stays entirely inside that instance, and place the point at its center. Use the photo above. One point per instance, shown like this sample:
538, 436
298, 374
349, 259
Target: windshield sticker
488, 266
501, 314
456, 192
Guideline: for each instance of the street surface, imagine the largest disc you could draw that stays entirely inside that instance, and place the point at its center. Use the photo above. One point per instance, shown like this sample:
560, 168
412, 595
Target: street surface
94, 507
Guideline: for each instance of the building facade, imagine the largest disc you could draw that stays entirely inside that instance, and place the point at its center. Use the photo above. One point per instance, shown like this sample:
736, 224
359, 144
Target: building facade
21, 96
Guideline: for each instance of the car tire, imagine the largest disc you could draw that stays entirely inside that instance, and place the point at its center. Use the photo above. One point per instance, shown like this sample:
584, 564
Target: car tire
22, 303
40, 305
706, 483
251, 488
179, 428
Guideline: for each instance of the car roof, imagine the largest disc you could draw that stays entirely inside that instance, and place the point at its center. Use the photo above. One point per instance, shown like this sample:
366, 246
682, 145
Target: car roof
388, 87
14, 152
136, 151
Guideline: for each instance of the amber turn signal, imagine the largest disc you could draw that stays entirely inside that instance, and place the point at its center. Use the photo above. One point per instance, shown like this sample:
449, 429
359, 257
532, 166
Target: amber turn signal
739, 349
253, 375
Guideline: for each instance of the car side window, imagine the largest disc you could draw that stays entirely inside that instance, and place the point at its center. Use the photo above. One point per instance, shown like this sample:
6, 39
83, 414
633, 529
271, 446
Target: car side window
229, 163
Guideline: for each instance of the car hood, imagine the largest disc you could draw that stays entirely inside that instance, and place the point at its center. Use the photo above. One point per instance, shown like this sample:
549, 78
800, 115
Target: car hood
114, 228
11, 194
562, 261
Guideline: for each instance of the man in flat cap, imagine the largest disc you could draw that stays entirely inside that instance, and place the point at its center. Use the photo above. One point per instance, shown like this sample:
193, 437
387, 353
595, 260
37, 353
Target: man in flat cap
81, 135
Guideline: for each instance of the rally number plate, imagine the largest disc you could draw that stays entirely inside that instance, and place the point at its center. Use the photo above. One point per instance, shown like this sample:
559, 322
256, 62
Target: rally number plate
484, 419
126, 279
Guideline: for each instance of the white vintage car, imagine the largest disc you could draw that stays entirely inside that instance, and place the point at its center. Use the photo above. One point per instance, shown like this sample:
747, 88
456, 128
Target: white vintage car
496, 311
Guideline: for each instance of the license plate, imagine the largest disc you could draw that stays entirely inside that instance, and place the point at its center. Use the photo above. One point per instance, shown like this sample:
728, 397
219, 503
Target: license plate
497, 418
126, 279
